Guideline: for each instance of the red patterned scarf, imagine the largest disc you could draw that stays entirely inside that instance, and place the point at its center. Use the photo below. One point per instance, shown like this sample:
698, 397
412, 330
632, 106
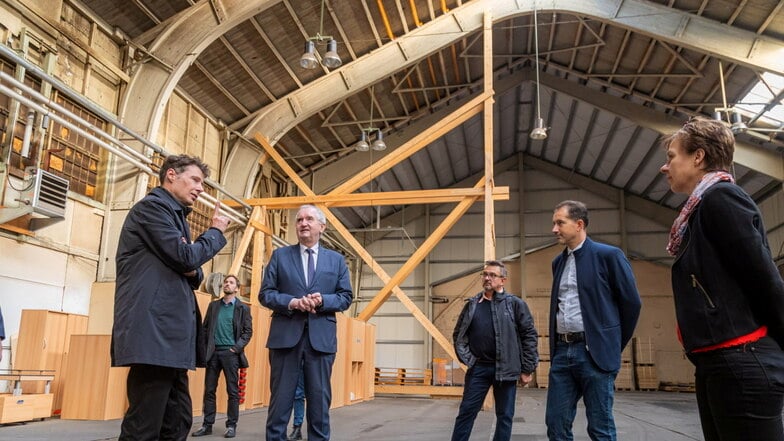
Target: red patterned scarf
682, 221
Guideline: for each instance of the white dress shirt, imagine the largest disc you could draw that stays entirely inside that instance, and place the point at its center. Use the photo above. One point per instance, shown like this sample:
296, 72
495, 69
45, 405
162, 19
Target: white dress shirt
569, 317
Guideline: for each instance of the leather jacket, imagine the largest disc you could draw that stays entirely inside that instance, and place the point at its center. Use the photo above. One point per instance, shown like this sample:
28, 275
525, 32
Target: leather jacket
725, 284
515, 336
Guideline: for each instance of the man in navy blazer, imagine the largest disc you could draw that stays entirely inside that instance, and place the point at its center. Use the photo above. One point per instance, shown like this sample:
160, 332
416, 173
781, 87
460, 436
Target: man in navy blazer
594, 309
304, 286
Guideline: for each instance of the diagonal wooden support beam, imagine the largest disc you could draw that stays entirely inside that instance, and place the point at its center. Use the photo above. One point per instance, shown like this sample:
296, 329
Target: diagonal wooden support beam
418, 255
360, 250
247, 235
418, 142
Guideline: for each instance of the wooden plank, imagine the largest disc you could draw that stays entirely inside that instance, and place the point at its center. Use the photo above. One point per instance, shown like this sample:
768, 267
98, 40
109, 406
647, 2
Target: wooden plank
359, 249
418, 255
418, 142
242, 248
487, 38
450, 391
383, 198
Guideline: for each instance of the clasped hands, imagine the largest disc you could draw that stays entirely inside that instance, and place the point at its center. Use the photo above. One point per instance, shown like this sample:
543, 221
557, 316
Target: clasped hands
307, 303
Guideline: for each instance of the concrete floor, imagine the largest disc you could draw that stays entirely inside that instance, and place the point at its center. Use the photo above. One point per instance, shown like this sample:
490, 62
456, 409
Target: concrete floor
642, 416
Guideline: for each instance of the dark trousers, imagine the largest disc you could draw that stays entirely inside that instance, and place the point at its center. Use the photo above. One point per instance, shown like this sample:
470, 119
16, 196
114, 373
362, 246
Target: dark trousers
229, 363
159, 404
284, 374
479, 378
740, 392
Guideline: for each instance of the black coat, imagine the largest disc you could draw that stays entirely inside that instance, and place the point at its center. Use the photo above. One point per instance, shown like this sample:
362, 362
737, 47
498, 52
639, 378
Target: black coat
515, 336
156, 318
724, 281
243, 329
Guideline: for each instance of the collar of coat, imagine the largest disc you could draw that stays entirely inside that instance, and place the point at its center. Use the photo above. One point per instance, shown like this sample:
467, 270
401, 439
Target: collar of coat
496, 296
169, 199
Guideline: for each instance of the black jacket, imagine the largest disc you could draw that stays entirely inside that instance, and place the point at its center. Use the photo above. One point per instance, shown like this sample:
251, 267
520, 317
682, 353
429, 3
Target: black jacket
156, 318
243, 329
724, 281
515, 336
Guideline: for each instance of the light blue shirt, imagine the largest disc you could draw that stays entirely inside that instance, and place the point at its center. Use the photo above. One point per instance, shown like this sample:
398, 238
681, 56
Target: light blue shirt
569, 317
304, 255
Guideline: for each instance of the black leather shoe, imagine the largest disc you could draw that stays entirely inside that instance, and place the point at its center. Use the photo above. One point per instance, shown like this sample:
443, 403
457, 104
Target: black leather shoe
205, 430
296, 433
231, 432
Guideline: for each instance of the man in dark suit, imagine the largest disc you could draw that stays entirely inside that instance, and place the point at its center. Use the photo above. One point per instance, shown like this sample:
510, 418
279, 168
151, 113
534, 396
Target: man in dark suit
304, 286
594, 309
156, 319
228, 328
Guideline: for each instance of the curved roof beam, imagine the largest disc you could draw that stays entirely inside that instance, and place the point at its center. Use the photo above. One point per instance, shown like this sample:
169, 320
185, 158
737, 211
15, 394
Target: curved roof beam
184, 39
175, 48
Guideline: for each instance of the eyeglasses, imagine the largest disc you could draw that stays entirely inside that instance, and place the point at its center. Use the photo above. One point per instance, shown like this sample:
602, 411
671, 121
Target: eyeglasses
492, 276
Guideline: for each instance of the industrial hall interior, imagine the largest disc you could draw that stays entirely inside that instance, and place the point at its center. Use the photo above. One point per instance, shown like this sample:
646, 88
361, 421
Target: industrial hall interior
435, 135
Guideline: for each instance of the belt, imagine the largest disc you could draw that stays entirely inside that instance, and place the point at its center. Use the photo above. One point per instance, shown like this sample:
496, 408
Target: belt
571, 337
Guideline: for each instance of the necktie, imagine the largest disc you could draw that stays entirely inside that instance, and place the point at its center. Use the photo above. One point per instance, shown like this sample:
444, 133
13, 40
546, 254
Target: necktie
311, 266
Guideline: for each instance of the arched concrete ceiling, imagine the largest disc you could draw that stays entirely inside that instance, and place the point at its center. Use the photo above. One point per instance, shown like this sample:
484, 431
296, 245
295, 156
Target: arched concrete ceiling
183, 39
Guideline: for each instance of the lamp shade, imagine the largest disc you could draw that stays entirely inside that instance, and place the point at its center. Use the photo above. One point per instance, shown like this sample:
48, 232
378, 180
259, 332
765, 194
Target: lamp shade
738, 126
331, 58
379, 144
362, 145
540, 131
308, 59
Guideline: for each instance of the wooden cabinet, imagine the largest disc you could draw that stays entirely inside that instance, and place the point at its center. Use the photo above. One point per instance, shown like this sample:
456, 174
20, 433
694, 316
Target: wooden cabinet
27, 407
44, 344
94, 390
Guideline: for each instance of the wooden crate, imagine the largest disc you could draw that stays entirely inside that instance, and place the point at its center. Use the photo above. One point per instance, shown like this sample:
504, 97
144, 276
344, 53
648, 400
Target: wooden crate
644, 351
647, 377
543, 374
543, 347
626, 354
26, 407
625, 378
403, 376
439, 369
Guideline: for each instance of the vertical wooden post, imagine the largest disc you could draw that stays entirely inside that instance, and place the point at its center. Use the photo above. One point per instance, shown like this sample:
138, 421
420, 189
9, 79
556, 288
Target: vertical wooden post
489, 251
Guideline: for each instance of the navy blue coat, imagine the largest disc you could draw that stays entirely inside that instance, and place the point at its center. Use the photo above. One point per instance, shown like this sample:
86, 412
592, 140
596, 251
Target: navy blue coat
156, 318
284, 280
609, 301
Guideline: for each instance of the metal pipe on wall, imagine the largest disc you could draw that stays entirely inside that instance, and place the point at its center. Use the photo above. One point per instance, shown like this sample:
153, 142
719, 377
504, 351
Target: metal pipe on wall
107, 116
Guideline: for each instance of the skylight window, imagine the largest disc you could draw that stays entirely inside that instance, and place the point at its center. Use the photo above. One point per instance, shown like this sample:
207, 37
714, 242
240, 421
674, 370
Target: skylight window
760, 95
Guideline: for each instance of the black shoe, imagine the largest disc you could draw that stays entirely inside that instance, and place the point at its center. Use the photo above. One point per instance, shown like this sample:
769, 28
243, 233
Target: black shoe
296, 433
231, 432
205, 430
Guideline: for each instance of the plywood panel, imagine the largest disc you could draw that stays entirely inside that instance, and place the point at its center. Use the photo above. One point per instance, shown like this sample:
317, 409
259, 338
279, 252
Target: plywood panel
101, 314
94, 390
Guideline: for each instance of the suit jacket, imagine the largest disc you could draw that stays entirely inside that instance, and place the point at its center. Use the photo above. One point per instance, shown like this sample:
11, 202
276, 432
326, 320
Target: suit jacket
609, 301
243, 328
284, 280
156, 320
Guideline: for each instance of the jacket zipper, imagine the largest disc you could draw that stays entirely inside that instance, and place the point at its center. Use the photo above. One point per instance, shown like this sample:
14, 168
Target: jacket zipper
696, 284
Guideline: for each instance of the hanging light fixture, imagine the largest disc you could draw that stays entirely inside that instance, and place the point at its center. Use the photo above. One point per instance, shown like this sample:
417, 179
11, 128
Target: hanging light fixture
377, 145
738, 126
362, 145
331, 58
539, 131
